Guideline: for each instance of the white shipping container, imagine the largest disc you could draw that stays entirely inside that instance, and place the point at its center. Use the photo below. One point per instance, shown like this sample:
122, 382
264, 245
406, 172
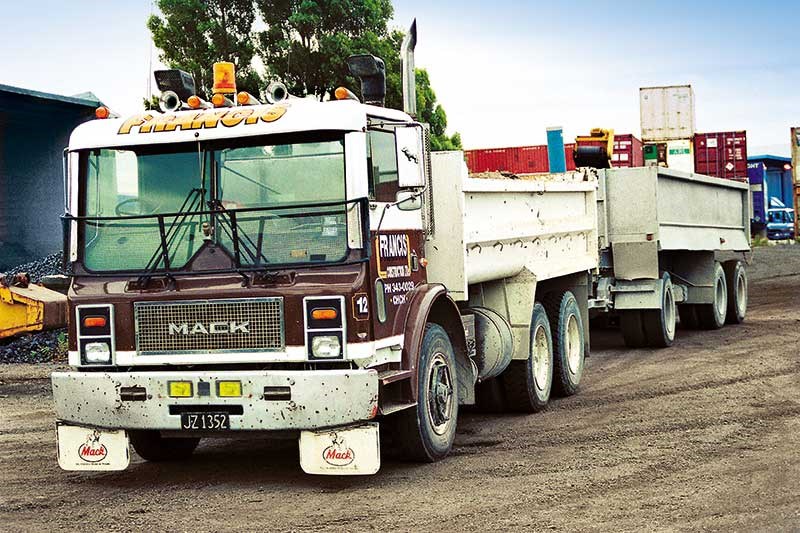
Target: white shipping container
667, 113
680, 155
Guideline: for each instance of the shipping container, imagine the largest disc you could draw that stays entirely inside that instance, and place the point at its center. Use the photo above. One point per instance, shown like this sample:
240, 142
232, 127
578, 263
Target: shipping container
722, 154
679, 155
667, 113
627, 152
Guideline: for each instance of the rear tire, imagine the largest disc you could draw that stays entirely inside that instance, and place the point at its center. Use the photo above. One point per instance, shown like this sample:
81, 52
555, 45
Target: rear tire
713, 315
659, 324
528, 383
569, 337
426, 432
736, 280
151, 446
630, 322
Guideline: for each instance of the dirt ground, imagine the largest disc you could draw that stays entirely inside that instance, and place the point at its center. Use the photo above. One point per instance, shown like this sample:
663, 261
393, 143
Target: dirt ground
705, 435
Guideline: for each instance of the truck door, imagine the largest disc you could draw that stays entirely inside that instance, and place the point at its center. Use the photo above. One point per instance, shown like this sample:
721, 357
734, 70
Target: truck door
396, 174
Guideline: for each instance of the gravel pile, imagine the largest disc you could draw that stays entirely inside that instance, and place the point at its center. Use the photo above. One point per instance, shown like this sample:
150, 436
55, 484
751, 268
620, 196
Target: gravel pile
41, 347
44, 347
46, 266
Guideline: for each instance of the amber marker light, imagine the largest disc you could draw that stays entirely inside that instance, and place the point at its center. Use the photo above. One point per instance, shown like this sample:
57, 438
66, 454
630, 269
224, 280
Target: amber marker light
94, 322
194, 102
245, 98
102, 112
220, 100
324, 314
343, 93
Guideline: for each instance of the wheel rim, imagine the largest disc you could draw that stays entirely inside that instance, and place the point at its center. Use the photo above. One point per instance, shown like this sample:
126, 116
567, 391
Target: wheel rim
574, 344
741, 294
541, 358
669, 314
440, 394
720, 298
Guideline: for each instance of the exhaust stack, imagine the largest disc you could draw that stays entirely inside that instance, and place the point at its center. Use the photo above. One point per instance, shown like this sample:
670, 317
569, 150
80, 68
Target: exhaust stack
409, 72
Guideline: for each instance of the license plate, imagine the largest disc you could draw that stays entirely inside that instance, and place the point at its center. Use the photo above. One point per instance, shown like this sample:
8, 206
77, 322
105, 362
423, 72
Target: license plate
205, 421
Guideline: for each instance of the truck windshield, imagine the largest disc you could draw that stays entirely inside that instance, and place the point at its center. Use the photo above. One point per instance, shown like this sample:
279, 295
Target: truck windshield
264, 203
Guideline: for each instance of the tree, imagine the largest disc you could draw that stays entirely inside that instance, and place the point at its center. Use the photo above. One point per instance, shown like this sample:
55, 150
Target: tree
305, 45
196, 33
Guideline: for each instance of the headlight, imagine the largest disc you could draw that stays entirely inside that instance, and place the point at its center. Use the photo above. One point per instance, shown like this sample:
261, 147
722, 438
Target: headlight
97, 352
326, 346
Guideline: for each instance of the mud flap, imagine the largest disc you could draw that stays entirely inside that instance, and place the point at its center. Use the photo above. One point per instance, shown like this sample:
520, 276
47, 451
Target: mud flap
85, 448
349, 451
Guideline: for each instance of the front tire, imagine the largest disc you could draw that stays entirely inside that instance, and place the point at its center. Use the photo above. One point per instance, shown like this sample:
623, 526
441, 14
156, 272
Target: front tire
151, 446
659, 324
569, 337
713, 315
736, 280
426, 432
528, 383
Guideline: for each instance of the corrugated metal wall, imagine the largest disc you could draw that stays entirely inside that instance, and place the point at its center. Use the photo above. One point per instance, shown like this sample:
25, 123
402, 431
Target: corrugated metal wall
33, 134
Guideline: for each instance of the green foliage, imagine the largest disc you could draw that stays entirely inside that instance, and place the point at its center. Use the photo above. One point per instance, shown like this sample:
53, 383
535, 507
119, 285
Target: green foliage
196, 33
304, 44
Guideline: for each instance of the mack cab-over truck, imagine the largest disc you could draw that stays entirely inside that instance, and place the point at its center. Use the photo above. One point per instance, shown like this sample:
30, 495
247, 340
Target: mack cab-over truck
312, 269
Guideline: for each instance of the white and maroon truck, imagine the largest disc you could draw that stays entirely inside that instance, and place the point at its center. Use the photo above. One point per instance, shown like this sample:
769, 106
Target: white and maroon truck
311, 268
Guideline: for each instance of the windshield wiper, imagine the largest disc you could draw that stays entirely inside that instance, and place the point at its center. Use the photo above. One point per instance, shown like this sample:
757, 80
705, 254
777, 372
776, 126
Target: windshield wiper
192, 205
242, 243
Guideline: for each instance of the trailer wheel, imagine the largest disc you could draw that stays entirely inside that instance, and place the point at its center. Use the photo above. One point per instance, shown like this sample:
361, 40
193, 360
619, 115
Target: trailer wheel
528, 383
659, 324
688, 316
426, 433
151, 446
736, 279
566, 326
712, 316
630, 322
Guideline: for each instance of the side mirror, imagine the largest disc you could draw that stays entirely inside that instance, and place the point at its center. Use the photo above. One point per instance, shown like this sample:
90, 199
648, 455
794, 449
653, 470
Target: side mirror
409, 201
410, 157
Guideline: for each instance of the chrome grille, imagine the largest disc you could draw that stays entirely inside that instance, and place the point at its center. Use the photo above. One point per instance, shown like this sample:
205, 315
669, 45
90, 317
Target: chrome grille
202, 326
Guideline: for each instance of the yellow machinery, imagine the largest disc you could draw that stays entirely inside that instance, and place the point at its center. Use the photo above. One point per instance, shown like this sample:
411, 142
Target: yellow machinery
28, 308
595, 149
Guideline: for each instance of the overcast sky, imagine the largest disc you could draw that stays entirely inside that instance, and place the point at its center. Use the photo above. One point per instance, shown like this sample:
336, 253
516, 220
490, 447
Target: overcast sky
503, 70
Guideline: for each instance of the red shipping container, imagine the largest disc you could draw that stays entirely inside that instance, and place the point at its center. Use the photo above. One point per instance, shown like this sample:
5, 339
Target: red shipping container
722, 154
628, 151
569, 148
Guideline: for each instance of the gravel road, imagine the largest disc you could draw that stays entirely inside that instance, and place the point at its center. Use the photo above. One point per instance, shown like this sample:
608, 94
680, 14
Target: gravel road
705, 435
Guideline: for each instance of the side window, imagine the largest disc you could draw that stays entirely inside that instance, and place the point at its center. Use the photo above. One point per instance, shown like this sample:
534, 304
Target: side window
382, 166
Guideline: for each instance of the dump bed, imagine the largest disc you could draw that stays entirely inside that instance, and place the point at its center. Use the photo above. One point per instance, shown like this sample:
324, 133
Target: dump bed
488, 229
645, 211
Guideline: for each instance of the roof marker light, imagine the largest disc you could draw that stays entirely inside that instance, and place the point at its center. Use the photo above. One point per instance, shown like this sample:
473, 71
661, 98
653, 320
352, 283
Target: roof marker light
343, 93
220, 100
102, 112
195, 102
245, 98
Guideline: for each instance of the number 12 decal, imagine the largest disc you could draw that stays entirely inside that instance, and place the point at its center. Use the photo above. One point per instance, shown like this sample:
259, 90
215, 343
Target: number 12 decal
361, 306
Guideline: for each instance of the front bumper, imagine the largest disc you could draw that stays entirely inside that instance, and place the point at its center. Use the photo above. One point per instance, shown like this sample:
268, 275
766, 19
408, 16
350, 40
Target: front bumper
317, 399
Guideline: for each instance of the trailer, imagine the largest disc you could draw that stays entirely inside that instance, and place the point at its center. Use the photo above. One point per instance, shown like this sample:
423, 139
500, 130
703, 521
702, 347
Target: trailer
671, 244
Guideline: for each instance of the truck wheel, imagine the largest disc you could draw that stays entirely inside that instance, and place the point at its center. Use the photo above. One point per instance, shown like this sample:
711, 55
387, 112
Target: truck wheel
630, 322
736, 280
566, 326
426, 433
151, 446
712, 316
659, 324
688, 316
528, 383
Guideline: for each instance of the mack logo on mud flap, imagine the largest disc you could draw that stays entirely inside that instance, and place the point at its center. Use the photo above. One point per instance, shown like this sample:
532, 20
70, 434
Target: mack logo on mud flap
338, 454
92, 451
214, 328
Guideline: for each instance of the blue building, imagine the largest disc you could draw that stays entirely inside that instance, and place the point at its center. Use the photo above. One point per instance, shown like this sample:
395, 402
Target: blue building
34, 130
